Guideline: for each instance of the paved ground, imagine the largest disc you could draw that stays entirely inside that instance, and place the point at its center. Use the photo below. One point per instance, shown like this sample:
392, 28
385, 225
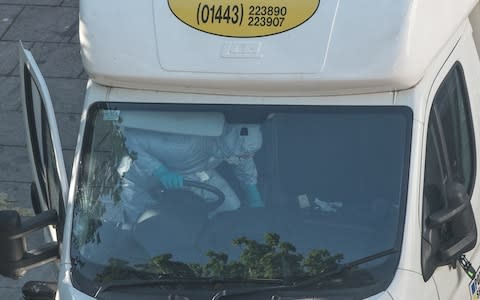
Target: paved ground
49, 28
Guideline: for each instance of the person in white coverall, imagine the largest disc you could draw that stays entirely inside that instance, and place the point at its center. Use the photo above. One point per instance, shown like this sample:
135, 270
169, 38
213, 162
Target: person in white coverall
170, 159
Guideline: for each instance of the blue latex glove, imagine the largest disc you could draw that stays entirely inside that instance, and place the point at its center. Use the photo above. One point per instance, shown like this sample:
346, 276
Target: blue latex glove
170, 180
253, 196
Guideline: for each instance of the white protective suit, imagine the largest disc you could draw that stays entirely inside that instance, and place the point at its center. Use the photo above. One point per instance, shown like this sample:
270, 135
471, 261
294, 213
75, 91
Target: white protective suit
194, 157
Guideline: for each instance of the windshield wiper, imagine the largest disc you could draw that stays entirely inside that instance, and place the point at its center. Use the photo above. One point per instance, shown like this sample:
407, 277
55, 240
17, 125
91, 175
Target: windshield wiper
314, 280
168, 280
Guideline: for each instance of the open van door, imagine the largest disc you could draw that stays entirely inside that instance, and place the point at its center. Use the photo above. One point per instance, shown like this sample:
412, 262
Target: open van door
50, 185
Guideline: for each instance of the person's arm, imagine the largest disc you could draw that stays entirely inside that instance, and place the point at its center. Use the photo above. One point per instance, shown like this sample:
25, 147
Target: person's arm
140, 145
246, 172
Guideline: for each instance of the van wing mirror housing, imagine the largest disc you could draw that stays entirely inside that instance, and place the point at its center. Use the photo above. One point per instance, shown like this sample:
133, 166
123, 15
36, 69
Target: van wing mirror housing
440, 248
456, 194
15, 260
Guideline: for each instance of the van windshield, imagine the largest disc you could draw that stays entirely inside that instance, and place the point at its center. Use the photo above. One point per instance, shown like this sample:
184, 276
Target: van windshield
247, 194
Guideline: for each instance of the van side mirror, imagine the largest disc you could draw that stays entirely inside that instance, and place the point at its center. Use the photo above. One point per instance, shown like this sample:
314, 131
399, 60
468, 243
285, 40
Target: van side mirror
447, 214
449, 232
15, 260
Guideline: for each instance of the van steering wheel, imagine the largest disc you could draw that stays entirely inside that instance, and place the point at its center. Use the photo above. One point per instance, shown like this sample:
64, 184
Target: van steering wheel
190, 184
207, 187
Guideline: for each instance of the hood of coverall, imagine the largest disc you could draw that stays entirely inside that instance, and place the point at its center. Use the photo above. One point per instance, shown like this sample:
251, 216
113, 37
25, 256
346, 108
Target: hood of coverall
240, 140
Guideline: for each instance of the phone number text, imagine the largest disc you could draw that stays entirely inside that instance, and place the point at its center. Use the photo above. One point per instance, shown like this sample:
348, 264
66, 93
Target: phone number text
263, 16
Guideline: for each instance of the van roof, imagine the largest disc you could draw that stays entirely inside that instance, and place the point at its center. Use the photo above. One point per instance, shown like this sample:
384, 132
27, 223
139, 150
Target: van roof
344, 47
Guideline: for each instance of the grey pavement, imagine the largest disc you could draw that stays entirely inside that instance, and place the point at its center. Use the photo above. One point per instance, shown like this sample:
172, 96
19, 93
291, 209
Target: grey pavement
49, 28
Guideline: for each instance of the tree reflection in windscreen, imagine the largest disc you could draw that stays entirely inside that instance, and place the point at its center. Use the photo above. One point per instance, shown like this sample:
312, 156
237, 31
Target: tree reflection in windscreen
270, 259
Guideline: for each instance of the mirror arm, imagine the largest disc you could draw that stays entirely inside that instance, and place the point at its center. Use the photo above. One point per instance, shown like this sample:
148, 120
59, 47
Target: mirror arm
445, 215
15, 260
35, 223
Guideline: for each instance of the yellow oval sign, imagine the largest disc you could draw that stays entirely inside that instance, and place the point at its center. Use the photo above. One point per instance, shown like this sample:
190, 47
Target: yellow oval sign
243, 18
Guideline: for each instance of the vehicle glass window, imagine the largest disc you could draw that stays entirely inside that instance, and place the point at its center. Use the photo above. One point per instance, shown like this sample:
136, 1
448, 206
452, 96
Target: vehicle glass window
34, 114
435, 173
54, 187
302, 189
452, 108
42, 146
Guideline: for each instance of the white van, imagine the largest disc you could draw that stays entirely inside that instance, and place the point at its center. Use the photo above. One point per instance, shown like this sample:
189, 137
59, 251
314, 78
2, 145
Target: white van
261, 150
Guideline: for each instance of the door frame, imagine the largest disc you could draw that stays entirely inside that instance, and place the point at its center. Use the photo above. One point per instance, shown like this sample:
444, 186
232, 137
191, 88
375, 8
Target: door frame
30, 72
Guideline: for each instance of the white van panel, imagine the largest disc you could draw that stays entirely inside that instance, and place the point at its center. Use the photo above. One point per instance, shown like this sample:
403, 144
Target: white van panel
410, 285
295, 51
346, 47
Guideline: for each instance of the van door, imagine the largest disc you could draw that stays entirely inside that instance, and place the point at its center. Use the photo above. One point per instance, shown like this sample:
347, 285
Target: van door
452, 156
50, 186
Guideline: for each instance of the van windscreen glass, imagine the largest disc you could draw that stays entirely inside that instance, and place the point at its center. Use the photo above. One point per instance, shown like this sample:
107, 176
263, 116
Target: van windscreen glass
239, 196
